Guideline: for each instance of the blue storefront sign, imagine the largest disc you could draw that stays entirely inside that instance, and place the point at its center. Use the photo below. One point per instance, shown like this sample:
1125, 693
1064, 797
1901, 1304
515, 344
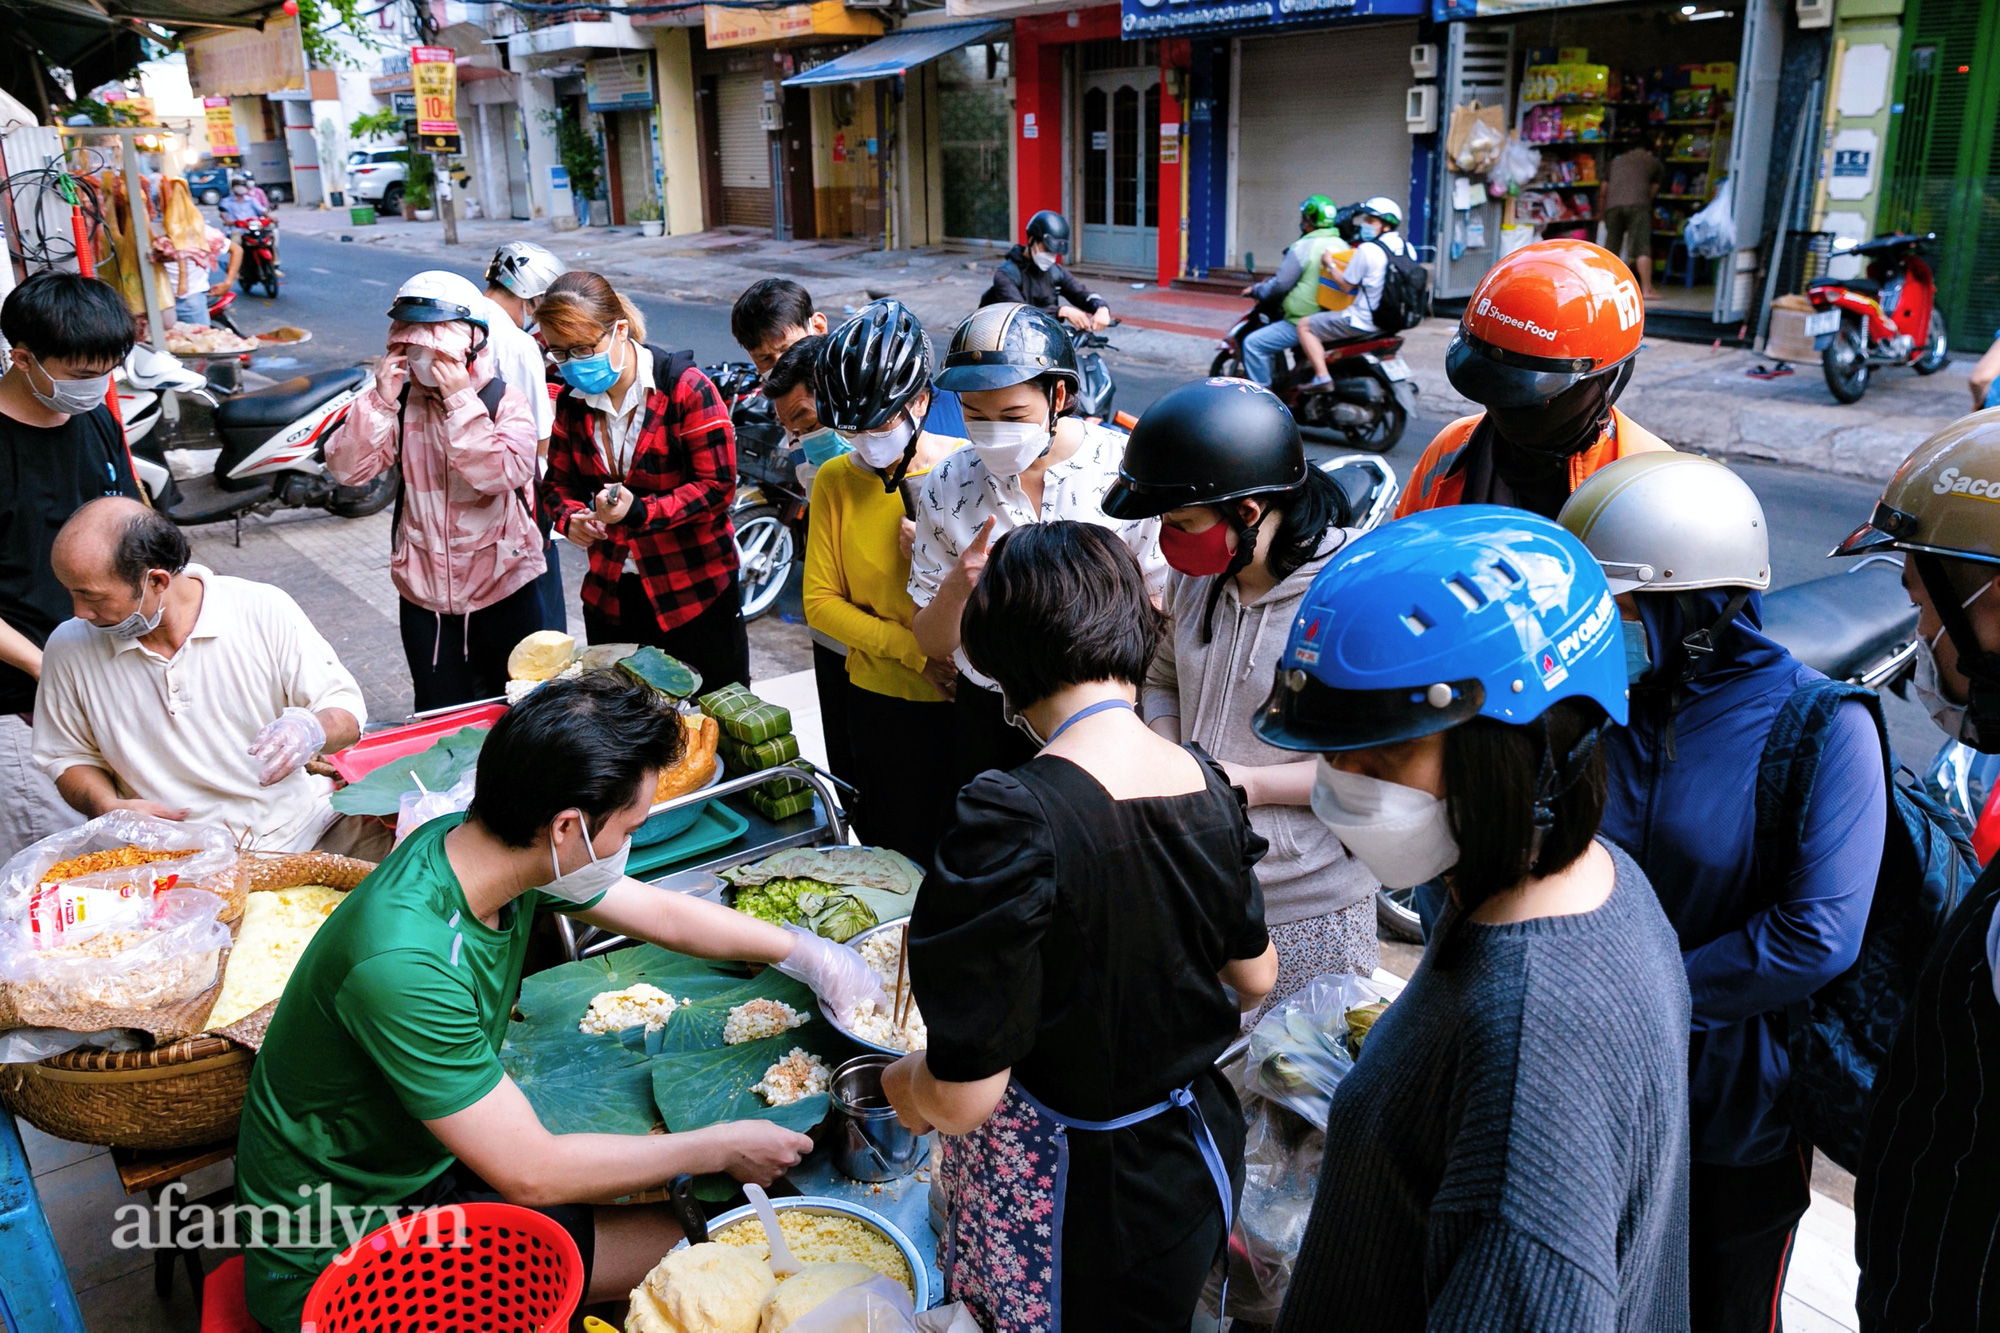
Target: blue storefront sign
1444, 11
1141, 18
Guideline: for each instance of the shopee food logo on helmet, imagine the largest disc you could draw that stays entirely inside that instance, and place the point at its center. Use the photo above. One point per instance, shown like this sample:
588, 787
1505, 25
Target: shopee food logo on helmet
1488, 310
1623, 294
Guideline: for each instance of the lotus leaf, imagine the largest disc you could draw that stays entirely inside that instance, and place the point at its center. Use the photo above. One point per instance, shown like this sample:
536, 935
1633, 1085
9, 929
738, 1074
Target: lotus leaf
439, 768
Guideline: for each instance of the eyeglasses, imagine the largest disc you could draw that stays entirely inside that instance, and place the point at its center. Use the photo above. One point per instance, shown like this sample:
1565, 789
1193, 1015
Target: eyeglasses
559, 355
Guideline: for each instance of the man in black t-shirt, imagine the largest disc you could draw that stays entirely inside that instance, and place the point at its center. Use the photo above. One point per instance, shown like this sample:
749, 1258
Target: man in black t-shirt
59, 447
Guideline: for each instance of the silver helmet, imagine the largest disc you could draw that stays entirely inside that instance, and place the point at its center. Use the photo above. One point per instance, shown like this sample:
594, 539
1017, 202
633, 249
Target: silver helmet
523, 268
1672, 522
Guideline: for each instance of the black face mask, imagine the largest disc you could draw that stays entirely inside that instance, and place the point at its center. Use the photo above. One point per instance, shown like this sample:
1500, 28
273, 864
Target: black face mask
1565, 425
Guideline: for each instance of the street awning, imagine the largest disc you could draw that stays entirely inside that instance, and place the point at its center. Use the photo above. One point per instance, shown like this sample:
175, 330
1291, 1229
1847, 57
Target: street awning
900, 51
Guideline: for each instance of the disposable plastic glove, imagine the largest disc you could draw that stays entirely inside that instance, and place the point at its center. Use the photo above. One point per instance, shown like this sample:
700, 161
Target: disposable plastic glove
286, 743
837, 974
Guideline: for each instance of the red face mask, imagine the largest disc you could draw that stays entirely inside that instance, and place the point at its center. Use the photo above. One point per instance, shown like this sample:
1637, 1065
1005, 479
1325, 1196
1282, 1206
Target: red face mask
1197, 553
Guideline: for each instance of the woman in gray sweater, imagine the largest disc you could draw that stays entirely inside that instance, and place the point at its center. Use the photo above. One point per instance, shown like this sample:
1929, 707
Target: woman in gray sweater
1510, 1152
1246, 525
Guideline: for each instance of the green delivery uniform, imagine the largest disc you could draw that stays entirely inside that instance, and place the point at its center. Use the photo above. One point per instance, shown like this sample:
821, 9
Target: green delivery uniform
394, 1016
1303, 299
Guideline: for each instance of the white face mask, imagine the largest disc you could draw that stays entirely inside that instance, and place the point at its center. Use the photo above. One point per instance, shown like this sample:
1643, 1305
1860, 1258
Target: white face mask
423, 366
1401, 834
72, 398
588, 883
1044, 260
1008, 448
1951, 717
138, 625
883, 449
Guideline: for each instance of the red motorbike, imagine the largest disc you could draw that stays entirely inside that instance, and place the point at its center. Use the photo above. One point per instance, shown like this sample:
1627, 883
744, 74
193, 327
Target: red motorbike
1888, 318
1367, 405
260, 254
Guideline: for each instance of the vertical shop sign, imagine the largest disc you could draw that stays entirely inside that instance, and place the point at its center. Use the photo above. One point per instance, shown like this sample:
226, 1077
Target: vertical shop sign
434, 77
221, 126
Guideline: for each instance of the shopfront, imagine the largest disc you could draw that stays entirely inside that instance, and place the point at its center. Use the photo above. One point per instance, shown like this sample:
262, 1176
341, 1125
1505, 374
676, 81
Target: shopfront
620, 90
1696, 85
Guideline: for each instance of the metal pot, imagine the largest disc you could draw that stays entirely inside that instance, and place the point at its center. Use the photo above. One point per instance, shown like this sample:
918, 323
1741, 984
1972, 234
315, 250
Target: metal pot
869, 1143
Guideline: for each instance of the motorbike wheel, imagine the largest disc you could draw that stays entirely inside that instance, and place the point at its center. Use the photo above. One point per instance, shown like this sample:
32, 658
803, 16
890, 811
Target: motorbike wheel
765, 553
271, 280
1396, 914
226, 320
1380, 436
1226, 364
370, 497
1937, 353
1845, 363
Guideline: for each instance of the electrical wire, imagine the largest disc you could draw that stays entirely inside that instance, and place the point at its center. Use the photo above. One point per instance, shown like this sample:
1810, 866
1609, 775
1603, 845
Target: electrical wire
42, 236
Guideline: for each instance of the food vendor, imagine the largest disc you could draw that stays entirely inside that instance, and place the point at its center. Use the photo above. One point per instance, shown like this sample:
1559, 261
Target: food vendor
181, 693
379, 1086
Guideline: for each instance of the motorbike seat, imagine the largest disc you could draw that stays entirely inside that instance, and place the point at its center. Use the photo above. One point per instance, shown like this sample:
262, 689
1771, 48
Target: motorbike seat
1839, 624
1864, 286
288, 400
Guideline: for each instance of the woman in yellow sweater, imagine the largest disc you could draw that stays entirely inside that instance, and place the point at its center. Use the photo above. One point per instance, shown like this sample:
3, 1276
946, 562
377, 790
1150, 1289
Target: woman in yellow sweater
858, 571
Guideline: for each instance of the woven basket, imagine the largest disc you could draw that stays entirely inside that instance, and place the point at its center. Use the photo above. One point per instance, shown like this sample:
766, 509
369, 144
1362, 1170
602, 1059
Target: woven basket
183, 1095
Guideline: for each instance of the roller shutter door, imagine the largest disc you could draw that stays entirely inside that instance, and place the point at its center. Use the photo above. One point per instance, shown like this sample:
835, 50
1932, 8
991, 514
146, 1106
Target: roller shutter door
746, 151
1318, 114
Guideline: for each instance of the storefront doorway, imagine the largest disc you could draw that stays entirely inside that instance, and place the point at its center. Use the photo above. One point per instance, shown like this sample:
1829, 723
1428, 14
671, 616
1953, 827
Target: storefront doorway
848, 160
975, 104
1118, 196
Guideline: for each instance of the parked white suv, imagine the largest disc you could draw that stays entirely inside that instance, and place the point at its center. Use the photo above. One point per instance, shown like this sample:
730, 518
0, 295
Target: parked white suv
377, 177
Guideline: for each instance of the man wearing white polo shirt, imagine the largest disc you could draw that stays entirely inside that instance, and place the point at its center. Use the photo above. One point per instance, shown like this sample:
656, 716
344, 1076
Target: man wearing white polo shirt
185, 694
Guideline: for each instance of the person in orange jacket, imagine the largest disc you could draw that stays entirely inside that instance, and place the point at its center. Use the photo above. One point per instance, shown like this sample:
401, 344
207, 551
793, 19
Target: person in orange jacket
1548, 341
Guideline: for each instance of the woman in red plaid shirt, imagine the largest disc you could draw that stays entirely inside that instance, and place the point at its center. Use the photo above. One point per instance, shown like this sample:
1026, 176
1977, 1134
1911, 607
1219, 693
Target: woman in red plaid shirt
642, 469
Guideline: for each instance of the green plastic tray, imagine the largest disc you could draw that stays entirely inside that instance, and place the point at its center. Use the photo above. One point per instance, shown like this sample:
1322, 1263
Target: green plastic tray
718, 826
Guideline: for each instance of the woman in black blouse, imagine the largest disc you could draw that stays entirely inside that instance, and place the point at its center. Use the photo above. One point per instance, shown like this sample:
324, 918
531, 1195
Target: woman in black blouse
1081, 954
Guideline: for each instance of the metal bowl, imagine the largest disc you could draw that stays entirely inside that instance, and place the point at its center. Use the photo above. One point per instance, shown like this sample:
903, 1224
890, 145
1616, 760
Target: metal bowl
920, 1277
831, 1017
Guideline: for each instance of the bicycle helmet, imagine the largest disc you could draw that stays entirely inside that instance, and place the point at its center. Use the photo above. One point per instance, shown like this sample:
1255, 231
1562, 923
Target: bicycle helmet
871, 368
1447, 615
1005, 344
1316, 213
1207, 443
524, 268
1545, 318
1052, 230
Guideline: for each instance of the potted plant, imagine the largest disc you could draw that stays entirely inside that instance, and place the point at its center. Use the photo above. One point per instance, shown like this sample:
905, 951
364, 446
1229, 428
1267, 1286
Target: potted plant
582, 157
646, 212
420, 189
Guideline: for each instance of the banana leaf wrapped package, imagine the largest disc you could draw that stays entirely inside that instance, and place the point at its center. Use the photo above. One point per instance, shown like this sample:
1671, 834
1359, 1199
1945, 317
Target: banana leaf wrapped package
1301, 1050
744, 717
739, 758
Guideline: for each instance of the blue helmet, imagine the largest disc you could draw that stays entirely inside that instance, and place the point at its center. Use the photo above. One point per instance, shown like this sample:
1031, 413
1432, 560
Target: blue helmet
1449, 614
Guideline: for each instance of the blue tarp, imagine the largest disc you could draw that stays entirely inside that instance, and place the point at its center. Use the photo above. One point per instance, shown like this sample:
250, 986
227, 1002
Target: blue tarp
900, 51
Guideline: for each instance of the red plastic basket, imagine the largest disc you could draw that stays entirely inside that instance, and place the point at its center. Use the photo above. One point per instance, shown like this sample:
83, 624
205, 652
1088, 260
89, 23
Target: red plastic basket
516, 1271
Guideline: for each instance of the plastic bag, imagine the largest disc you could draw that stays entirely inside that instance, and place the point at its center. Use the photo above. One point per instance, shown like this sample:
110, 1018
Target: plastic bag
24, 1046
879, 1305
1711, 233
1281, 1162
1483, 143
1299, 1052
210, 863
168, 955
1518, 163
953, 1318
417, 808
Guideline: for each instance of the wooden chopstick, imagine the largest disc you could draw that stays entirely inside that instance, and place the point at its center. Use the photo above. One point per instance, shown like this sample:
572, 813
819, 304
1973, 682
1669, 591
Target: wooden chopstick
902, 1000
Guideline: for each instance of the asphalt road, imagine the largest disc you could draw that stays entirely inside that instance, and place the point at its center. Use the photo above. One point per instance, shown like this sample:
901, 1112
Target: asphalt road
341, 292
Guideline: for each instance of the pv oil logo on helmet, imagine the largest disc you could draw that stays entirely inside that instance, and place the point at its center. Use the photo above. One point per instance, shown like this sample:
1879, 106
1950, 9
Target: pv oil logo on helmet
1553, 664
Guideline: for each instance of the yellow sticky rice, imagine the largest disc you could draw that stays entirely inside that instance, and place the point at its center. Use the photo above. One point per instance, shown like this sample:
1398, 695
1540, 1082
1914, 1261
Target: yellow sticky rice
278, 924
823, 1238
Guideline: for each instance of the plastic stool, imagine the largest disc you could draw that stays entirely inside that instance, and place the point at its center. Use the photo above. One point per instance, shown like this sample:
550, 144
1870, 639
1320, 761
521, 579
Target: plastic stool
222, 1307
35, 1292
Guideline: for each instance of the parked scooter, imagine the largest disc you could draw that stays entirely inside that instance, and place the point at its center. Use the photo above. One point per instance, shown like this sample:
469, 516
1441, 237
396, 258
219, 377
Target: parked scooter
258, 238
1367, 405
1888, 318
769, 511
267, 449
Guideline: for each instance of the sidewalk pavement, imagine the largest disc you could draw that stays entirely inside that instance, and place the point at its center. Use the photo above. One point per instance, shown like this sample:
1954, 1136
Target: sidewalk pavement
1695, 397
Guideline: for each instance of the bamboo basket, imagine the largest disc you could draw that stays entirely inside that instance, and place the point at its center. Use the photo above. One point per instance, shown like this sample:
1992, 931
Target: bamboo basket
182, 1095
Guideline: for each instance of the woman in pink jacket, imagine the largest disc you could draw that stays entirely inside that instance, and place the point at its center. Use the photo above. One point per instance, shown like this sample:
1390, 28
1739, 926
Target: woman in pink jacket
466, 552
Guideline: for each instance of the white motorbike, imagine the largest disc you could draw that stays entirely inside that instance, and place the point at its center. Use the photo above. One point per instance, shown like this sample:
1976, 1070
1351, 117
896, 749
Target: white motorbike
266, 450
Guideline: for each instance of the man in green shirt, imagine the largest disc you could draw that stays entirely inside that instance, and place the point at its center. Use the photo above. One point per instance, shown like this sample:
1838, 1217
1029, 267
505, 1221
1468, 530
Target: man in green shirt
379, 1088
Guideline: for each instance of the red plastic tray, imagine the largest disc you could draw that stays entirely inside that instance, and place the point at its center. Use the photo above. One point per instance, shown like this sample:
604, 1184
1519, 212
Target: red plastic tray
369, 753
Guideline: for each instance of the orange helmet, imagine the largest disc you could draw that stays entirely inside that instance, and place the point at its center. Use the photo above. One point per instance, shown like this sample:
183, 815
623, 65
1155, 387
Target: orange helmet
1544, 318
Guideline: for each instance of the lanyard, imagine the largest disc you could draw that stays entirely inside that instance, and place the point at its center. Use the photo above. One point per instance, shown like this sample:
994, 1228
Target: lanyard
1081, 714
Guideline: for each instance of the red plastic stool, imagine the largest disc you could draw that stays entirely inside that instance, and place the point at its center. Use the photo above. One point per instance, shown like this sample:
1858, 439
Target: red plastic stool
222, 1307
504, 1270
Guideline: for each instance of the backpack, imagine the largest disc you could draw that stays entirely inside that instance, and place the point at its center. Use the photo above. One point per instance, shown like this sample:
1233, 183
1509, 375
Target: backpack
1839, 1039
1405, 301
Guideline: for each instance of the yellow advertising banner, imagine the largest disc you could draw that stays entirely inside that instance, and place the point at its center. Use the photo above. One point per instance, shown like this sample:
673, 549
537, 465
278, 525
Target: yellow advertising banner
221, 127
434, 76
247, 63
755, 27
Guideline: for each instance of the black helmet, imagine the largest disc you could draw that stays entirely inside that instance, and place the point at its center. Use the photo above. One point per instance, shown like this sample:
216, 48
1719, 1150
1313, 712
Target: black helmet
1051, 229
1206, 443
871, 368
1008, 344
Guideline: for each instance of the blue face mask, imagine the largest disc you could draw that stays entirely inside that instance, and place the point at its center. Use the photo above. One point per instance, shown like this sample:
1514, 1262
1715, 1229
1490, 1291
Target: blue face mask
823, 446
1638, 650
591, 374
1368, 231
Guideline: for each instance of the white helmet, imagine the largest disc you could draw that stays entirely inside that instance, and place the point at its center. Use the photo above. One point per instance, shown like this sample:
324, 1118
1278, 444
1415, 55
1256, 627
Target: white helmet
1382, 206
523, 268
437, 297
1671, 522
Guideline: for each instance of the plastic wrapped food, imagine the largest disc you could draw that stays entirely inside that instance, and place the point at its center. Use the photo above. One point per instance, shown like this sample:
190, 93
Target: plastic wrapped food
124, 854
1281, 1162
1299, 1052
146, 960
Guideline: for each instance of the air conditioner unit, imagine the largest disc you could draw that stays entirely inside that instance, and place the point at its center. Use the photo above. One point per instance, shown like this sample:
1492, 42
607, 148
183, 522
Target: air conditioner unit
768, 118
1815, 13
1424, 60
1420, 108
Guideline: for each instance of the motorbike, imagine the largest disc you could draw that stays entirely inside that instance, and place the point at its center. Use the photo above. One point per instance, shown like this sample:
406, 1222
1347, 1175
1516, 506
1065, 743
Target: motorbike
1096, 391
266, 449
1888, 318
1367, 405
260, 255
219, 301
769, 511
